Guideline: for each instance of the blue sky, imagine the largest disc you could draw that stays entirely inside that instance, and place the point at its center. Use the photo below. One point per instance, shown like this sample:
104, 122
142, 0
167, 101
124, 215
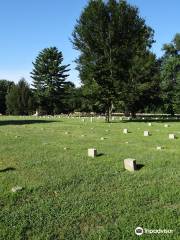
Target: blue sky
26, 27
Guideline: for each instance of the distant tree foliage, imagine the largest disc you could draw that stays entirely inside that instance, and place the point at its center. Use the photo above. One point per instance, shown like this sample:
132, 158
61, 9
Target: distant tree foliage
19, 99
49, 80
142, 88
4, 87
170, 75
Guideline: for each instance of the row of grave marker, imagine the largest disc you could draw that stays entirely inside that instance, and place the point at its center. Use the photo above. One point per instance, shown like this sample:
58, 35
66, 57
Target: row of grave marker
129, 163
147, 133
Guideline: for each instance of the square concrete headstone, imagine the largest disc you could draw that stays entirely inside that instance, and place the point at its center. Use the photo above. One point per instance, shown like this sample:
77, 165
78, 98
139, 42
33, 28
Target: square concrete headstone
146, 133
172, 136
159, 148
92, 152
16, 189
150, 124
166, 125
130, 164
125, 131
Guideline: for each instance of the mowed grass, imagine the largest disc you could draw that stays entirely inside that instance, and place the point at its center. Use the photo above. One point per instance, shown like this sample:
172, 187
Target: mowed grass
67, 195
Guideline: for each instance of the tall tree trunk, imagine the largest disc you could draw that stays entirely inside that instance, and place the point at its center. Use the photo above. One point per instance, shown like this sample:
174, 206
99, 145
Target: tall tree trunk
126, 113
108, 112
133, 114
107, 115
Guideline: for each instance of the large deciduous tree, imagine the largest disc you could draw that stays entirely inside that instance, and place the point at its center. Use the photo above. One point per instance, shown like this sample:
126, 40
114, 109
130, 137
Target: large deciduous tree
170, 73
142, 88
109, 36
49, 79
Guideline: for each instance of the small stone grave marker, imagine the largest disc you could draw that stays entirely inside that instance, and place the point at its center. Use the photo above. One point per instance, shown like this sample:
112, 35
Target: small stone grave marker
130, 164
172, 136
150, 124
146, 133
17, 136
92, 152
16, 189
166, 125
159, 148
125, 131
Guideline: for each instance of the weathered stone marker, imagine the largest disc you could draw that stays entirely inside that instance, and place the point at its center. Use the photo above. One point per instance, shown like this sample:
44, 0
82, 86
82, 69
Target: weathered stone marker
16, 189
150, 124
146, 133
92, 152
102, 138
166, 125
172, 136
125, 131
130, 164
159, 148
66, 148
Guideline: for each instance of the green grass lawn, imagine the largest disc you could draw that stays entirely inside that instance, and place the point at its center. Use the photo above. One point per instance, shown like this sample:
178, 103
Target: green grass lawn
67, 195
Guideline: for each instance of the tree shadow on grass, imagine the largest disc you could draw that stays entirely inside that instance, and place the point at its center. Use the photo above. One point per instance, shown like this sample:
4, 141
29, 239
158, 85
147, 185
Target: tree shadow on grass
152, 120
160, 120
23, 122
7, 169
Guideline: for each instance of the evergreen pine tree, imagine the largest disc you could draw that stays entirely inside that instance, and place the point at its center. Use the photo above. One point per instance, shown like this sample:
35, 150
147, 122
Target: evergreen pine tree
49, 79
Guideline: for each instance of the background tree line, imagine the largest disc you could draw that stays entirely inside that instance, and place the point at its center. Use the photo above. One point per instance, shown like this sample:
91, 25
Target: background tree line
117, 69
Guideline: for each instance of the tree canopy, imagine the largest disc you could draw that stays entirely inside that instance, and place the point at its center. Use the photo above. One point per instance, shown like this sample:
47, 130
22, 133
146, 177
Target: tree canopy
170, 75
4, 87
19, 99
110, 37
